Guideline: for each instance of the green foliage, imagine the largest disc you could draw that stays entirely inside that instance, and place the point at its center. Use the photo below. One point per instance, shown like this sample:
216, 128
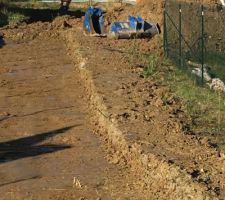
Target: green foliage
216, 61
148, 61
9, 17
134, 54
205, 108
152, 62
12, 17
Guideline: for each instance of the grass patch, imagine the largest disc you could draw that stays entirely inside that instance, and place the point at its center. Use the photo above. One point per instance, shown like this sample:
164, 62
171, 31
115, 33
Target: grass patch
152, 62
10, 17
216, 61
37, 4
7, 16
32, 11
205, 108
148, 61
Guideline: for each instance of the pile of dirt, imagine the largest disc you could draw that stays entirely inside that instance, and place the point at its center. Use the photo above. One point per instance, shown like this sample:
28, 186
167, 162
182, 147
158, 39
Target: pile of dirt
28, 32
152, 11
148, 9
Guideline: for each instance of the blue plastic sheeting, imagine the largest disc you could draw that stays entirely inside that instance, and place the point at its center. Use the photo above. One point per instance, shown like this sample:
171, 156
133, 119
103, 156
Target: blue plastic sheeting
93, 20
134, 27
136, 23
133, 24
133, 2
120, 26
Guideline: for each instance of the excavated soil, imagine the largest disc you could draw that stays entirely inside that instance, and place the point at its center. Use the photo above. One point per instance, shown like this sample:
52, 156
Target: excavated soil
150, 121
57, 86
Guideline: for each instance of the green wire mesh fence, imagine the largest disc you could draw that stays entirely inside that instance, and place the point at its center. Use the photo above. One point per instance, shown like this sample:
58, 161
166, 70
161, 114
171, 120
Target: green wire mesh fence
194, 38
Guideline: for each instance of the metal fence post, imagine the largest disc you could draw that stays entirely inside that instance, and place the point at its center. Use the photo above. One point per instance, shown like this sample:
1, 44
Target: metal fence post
180, 35
203, 43
165, 44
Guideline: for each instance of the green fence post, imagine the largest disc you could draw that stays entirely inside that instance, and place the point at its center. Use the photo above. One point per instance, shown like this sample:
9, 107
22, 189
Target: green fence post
203, 43
165, 44
180, 35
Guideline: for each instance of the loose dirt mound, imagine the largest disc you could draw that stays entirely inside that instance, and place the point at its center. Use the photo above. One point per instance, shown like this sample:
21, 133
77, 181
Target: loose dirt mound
25, 32
148, 9
152, 11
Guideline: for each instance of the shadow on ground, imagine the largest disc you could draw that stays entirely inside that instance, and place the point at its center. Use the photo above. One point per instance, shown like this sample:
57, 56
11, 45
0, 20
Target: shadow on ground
3, 18
27, 146
2, 42
44, 15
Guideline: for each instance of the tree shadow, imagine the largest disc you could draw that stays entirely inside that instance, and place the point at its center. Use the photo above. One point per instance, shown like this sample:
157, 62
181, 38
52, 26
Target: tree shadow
27, 146
3, 18
45, 14
2, 42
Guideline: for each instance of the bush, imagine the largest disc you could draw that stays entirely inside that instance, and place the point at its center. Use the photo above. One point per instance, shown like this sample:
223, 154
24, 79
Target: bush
8, 15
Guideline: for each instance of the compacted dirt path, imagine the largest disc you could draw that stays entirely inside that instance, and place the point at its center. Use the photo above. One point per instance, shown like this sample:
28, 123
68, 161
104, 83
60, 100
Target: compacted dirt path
47, 147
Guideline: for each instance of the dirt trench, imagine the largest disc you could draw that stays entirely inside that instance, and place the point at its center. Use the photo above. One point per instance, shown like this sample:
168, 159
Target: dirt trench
48, 149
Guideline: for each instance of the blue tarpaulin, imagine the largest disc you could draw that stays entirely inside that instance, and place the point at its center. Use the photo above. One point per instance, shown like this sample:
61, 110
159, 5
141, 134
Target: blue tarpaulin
136, 23
134, 27
93, 20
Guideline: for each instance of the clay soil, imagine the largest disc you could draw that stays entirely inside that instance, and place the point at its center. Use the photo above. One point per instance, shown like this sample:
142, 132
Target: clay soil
78, 122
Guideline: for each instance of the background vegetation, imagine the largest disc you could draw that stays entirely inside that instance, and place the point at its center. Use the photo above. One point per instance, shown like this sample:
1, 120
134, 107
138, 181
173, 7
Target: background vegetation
8, 14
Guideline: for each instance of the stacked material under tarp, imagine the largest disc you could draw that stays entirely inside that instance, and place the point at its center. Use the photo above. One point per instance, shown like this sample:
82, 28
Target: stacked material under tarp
134, 27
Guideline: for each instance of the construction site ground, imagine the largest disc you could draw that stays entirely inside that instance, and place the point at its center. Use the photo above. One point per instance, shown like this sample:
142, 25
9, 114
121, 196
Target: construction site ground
78, 121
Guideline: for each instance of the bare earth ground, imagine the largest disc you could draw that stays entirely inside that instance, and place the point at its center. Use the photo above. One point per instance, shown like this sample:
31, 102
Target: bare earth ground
150, 120
57, 86
48, 149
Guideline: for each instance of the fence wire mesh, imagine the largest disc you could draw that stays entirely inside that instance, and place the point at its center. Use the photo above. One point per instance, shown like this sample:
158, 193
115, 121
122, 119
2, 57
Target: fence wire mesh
194, 33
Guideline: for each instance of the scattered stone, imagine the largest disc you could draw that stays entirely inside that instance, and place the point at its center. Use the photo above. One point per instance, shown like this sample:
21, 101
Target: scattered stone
76, 183
198, 72
195, 173
217, 85
66, 25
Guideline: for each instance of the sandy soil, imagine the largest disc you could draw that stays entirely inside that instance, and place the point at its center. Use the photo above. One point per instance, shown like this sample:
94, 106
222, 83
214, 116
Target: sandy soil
59, 87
